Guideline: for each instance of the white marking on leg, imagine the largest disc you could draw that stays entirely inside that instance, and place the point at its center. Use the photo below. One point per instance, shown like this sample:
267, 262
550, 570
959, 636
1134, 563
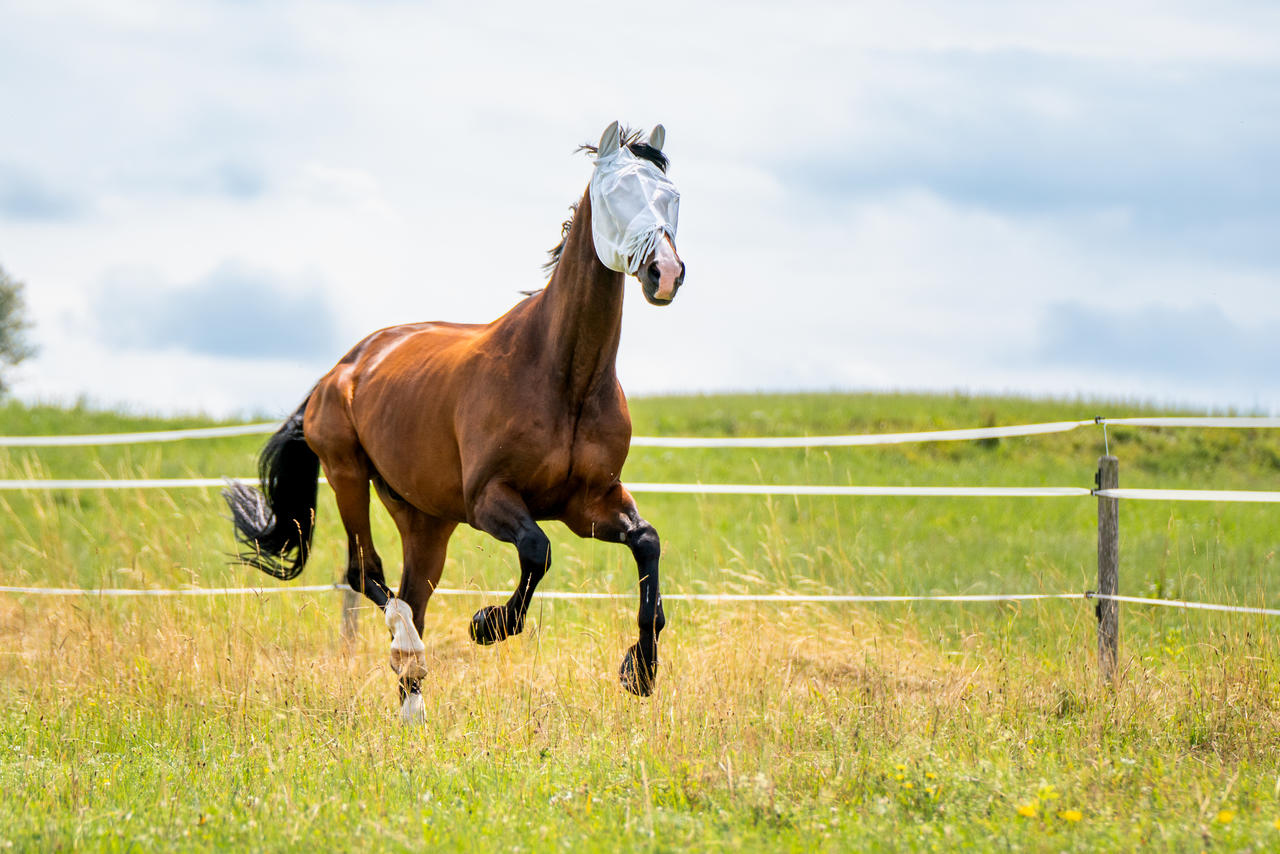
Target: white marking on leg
414, 710
408, 654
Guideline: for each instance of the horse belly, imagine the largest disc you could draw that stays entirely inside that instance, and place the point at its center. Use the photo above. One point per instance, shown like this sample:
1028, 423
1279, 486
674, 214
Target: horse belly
404, 415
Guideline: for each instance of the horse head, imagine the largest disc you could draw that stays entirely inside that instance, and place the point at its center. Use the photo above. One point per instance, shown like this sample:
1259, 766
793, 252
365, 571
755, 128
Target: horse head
634, 211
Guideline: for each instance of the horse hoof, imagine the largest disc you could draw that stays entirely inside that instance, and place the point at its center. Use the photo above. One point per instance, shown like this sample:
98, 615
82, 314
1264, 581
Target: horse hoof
637, 676
489, 625
413, 711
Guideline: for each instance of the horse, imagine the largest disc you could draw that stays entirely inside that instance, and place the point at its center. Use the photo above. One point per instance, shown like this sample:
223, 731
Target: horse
499, 426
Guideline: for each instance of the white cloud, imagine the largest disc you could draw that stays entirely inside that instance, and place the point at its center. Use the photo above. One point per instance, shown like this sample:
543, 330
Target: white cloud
873, 196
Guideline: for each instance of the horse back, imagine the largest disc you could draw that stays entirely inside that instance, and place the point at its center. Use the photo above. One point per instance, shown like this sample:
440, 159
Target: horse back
441, 409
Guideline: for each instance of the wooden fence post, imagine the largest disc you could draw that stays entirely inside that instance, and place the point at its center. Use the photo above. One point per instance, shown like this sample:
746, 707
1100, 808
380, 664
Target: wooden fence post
1108, 610
350, 616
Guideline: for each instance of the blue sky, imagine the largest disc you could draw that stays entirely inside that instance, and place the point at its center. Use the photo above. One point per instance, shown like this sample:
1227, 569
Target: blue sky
210, 203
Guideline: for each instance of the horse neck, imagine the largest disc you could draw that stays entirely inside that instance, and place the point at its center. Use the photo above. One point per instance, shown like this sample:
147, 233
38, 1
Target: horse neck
582, 307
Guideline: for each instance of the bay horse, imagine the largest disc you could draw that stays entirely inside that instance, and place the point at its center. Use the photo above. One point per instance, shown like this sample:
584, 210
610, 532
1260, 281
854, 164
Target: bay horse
497, 425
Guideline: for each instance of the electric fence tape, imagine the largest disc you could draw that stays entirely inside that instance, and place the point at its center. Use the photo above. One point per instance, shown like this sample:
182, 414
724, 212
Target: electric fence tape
1240, 496
551, 594
1239, 422
784, 598
660, 488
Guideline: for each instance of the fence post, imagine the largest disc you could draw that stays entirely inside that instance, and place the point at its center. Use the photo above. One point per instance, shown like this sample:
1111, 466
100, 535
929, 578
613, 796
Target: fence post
1108, 610
350, 616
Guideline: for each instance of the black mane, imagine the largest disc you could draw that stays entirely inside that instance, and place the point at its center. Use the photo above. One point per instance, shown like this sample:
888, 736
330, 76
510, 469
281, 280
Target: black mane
643, 150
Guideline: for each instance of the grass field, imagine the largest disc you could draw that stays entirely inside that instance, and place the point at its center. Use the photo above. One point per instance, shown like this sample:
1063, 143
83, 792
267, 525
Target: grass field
131, 724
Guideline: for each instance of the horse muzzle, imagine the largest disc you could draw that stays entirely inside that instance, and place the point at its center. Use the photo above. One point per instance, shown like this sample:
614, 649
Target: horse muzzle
662, 277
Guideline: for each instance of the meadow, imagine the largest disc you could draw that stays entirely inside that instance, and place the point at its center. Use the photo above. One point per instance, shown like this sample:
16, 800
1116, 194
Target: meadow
246, 722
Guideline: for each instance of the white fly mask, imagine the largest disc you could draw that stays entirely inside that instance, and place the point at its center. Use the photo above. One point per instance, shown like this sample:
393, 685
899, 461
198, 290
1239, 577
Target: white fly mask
633, 205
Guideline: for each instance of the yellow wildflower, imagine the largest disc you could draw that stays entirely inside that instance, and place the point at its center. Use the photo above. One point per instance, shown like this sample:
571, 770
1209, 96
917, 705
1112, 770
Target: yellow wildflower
908, 785
1225, 816
1071, 815
929, 775
1029, 810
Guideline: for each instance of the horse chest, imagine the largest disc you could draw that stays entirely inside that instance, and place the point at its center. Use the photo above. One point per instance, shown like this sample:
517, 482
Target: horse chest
565, 458
551, 466
598, 461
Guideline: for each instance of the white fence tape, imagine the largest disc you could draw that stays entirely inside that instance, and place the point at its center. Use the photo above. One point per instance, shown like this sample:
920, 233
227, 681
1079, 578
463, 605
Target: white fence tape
115, 483
1241, 422
1240, 496
136, 438
695, 441
549, 594
921, 491
856, 440
791, 489
672, 597
636, 441
182, 591
668, 488
1193, 606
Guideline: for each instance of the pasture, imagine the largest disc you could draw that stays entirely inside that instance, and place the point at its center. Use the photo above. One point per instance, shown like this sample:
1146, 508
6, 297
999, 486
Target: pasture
243, 722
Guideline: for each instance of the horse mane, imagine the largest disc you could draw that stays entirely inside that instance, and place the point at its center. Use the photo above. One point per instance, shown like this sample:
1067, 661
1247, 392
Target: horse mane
643, 150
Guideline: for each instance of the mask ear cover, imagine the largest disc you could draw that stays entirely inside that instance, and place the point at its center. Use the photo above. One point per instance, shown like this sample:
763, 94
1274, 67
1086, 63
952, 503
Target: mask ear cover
609, 140
657, 137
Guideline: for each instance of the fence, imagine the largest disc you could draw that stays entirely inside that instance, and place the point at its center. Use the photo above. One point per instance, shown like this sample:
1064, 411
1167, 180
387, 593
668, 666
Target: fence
1106, 490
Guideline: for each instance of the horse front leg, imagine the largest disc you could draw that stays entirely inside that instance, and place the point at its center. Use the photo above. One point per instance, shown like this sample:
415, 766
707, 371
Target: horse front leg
502, 513
616, 519
639, 668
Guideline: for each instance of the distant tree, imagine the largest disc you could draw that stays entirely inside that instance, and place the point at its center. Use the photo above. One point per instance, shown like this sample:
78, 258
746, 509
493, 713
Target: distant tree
14, 346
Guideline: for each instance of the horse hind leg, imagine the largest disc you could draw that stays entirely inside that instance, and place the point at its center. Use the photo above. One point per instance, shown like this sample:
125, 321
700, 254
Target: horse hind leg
425, 540
348, 474
408, 658
364, 565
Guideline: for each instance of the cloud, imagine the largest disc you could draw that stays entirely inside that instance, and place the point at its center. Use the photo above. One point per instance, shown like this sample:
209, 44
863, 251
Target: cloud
233, 178
23, 196
1024, 132
238, 180
875, 195
1197, 344
234, 311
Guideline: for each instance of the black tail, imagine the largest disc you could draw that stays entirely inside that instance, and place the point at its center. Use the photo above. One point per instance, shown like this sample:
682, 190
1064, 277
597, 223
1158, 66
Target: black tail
275, 524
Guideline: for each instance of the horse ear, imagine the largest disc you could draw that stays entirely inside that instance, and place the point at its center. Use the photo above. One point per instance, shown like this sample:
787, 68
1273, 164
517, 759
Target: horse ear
609, 141
657, 137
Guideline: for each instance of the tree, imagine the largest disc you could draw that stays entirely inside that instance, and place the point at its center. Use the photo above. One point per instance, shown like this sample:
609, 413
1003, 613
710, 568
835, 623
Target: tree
14, 346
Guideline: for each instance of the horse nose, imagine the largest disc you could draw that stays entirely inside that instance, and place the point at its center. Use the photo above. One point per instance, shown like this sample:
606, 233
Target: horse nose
680, 278
654, 275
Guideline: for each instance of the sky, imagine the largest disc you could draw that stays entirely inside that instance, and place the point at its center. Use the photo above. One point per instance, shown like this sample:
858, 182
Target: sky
210, 202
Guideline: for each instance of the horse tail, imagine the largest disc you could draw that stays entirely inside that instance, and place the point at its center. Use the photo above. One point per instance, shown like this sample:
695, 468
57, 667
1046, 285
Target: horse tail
274, 524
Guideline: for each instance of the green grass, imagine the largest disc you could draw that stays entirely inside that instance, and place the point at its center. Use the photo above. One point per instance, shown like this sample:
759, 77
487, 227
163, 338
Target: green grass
244, 722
